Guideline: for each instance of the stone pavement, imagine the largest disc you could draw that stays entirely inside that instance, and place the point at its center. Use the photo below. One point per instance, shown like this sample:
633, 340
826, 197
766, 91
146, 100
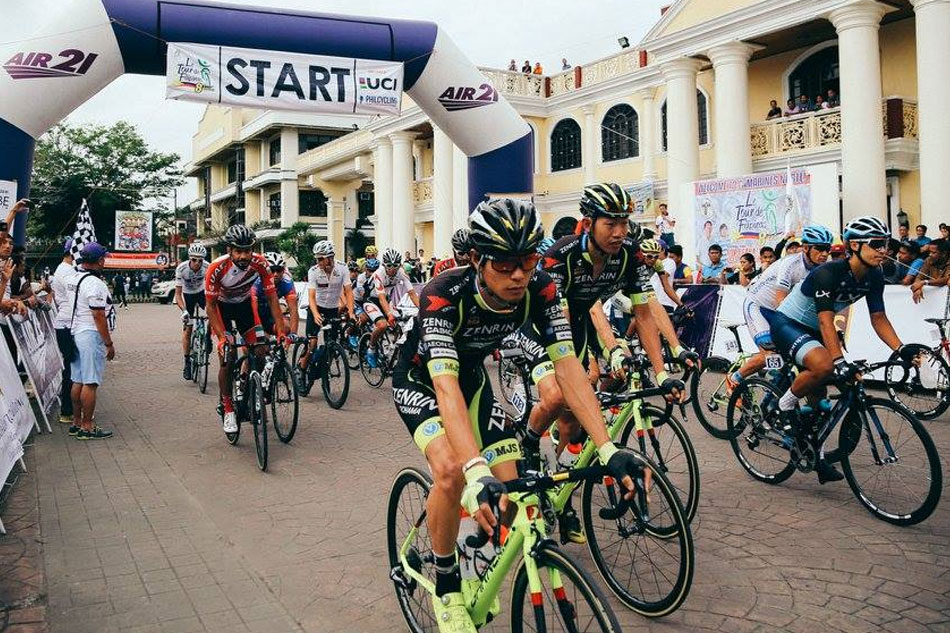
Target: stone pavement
166, 527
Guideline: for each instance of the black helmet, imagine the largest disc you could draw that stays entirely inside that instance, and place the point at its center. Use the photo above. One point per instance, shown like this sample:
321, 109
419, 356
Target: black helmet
606, 199
240, 236
460, 241
504, 228
636, 231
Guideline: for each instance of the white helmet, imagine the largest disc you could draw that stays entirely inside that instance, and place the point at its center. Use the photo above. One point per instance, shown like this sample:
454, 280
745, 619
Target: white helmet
391, 257
197, 250
275, 260
323, 248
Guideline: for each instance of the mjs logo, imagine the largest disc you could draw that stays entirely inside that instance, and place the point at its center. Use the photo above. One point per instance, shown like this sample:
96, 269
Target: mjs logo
466, 97
69, 63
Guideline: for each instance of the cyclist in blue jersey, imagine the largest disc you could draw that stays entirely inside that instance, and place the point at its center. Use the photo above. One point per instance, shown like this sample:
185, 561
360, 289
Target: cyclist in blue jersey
284, 284
803, 325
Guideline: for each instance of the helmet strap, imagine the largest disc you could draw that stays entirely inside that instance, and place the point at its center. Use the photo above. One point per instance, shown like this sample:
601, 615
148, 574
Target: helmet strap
488, 293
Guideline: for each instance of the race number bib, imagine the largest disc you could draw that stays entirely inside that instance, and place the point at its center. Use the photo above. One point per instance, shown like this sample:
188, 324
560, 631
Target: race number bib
774, 361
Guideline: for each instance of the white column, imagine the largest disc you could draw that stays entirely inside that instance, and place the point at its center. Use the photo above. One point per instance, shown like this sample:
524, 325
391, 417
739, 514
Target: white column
733, 142
335, 215
442, 221
933, 94
589, 145
862, 137
403, 218
289, 196
460, 208
383, 190
682, 145
648, 134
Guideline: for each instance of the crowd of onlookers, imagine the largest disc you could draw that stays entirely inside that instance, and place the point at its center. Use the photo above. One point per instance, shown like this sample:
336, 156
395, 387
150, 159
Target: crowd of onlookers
804, 104
537, 69
920, 260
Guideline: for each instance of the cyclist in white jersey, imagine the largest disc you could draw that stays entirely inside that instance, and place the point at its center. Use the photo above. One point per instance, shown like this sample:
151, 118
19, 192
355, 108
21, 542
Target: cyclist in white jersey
390, 285
328, 290
771, 287
189, 296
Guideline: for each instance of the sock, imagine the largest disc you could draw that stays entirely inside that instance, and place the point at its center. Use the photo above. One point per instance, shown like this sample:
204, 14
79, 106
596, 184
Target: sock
788, 401
228, 404
447, 577
532, 439
736, 376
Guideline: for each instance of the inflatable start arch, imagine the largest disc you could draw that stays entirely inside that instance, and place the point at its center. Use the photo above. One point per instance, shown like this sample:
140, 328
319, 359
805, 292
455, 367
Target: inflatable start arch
57, 54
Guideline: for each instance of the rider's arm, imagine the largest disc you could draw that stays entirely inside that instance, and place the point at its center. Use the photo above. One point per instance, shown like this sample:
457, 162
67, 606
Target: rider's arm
179, 299
384, 303
579, 397
605, 333
885, 331
214, 316
414, 297
829, 334
312, 301
648, 333
668, 289
275, 312
294, 315
348, 300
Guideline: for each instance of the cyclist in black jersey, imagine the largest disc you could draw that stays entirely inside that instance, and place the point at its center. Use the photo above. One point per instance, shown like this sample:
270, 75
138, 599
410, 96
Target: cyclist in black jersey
442, 392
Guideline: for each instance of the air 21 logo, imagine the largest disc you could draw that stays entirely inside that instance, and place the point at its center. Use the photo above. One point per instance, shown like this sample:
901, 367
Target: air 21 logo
71, 63
465, 97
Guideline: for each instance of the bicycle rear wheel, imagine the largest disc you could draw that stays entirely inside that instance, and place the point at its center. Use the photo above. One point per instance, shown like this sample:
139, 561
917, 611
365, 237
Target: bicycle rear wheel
708, 391
284, 403
925, 390
646, 556
301, 376
257, 412
568, 599
372, 372
895, 472
336, 375
201, 366
759, 446
515, 386
405, 519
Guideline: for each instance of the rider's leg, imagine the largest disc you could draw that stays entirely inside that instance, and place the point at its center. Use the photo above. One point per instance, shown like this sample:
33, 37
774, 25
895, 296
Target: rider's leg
818, 366
186, 340
442, 508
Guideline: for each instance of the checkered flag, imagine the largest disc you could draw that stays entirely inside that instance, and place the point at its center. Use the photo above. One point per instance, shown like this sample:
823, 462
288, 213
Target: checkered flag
85, 232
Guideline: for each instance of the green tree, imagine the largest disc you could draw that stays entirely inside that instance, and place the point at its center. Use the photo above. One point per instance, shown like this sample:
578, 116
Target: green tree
297, 241
111, 166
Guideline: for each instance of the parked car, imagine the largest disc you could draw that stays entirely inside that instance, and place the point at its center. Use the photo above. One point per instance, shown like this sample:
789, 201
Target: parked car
164, 291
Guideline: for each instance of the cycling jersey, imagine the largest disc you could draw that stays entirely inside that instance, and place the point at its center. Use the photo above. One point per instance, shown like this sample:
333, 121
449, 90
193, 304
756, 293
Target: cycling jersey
329, 288
783, 275
227, 283
444, 265
190, 281
395, 287
833, 287
285, 288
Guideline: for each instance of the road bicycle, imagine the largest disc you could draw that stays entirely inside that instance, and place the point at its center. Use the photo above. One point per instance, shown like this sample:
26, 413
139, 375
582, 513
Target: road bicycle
280, 391
924, 389
895, 473
709, 389
327, 363
247, 396
380, 364
200, 351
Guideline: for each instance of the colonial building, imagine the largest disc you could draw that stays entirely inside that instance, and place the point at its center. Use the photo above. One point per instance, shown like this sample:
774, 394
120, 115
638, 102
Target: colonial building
689, 102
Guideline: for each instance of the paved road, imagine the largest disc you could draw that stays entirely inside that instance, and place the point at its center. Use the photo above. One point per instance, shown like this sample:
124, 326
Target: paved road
168, 528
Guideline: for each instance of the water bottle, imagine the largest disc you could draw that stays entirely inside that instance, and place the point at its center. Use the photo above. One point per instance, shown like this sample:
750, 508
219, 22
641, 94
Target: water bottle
467, 527
569, 455
266, 374
549, 451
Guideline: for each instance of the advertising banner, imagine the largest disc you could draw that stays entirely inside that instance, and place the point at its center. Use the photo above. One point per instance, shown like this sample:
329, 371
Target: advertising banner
136, 260
16, 415
7, 196
254, 78
133, 230
643, 197
745, 213
36, 341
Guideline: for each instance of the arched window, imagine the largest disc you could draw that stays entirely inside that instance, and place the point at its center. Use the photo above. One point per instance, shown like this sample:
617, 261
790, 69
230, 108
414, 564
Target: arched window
815, 75
566, 145
703, 119
620, 133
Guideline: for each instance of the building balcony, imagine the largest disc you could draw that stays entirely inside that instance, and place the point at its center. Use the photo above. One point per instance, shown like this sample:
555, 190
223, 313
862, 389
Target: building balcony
271, 176
224, 193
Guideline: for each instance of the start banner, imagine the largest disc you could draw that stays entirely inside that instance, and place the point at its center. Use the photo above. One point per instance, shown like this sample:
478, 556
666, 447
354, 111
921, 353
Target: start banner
254, 78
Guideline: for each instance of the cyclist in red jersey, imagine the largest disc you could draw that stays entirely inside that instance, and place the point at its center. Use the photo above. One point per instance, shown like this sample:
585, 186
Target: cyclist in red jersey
228, 287
460, 249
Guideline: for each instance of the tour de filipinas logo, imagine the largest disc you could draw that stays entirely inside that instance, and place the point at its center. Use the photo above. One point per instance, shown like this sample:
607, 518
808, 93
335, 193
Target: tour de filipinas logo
193, 73
71, 62
456, 98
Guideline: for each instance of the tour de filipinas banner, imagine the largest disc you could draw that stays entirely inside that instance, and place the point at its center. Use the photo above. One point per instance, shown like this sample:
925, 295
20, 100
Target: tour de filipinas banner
254, 78
642, 194
745, 213
133, 230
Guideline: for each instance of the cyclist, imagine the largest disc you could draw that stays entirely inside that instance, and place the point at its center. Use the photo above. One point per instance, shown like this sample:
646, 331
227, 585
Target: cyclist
228, 287
803, 326
189, 296
327, 290
362, 290
390, 285
460, 253
443, 393
771, 287
284, 285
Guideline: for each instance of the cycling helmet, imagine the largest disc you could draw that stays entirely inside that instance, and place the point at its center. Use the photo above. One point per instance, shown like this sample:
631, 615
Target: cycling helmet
865, 228
605, 199
460, 242
636, 231
275, 261
504, 228
352, 266
323, 248
372, 264
197, 250
545, 244
391, 257
650, 247
370, 252
240, 236
815, 234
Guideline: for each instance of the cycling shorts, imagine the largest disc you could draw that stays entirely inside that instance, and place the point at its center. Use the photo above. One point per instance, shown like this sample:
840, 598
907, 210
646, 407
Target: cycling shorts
416, 405
373, 311
791, 338
245, 319
759, 328
326, 314
193, 301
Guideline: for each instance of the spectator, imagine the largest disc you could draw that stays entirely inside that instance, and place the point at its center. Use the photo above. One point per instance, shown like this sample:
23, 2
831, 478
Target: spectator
793, 247
526, 68
944, 231
682, 275
774, 111
62, 304
922, 239
791, 108
712, 272
513, 66
820, 103
766, 257
936, 270
832, 100
704, 242
903, 232
746, 272
665, 224
537, 69
669, 267
8, 304
118, 291
838, 252
564, 64
909, 264
804, 104
93, 318
889, 265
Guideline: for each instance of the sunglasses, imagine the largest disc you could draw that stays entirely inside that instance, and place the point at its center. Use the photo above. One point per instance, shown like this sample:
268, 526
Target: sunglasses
877, 244
195, 260
507, 266
324, 259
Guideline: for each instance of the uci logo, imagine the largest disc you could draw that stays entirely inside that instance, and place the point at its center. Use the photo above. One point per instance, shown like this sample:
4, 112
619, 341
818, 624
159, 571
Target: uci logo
430, 429
375, 83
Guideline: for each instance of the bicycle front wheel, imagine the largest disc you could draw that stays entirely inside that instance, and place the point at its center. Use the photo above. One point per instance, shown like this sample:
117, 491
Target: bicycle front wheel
201, 366
284, 403
925, 390
895, 472
646, 555
568, 599
710, 398
301, 375
406, 527
336, 376
257, 412
371, 363
761, 447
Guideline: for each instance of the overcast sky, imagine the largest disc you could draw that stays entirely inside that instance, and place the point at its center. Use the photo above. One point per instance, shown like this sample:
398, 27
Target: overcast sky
490, 32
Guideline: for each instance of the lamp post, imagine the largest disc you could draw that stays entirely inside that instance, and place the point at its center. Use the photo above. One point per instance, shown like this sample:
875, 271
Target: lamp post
902, 218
